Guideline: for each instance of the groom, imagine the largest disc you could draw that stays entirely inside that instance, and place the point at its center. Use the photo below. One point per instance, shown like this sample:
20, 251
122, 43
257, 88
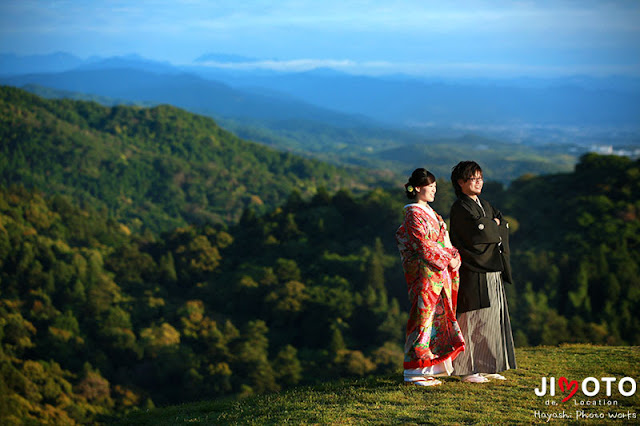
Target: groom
481, 235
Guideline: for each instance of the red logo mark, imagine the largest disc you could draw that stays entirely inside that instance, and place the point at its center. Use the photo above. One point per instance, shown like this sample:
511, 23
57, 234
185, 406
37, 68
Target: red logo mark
568, 386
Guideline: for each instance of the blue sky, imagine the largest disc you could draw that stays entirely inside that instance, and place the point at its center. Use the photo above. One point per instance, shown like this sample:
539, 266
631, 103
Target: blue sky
461, 38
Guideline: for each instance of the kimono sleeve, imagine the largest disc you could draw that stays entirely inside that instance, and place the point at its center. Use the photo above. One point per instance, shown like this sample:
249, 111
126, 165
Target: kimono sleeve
432, 252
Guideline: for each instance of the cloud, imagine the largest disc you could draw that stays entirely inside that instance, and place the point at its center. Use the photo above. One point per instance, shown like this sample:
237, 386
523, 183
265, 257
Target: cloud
286, 65
453, 69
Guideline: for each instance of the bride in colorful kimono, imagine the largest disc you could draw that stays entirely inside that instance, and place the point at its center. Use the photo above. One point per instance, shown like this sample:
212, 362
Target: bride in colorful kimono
430, 263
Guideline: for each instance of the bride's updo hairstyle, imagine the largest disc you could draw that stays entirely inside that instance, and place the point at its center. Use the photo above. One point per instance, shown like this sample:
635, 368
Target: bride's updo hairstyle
419, 177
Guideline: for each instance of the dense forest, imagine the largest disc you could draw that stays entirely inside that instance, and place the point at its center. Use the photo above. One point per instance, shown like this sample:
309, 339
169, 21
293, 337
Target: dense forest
578, 253
99, 315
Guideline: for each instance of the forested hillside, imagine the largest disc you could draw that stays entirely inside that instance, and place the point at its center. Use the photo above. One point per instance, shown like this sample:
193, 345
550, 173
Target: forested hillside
155, 168
101, 313
578, 252
366, 144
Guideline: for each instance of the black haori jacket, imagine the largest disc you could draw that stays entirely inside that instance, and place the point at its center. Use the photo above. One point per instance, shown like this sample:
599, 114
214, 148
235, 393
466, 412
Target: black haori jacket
483, 246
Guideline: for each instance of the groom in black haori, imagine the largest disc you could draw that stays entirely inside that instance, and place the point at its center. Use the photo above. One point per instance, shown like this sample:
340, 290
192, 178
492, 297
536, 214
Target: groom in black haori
481, 235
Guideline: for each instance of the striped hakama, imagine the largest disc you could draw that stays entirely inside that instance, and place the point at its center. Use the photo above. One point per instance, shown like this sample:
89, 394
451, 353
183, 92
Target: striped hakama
487, 334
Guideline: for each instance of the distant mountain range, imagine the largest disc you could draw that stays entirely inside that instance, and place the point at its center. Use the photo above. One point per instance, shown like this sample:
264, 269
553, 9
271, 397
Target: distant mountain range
367, 121
180, 89
413, 102
393, 100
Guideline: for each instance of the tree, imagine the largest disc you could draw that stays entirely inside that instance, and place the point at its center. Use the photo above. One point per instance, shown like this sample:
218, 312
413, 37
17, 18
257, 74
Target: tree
579, 297
252, 358
287, 366
375, 268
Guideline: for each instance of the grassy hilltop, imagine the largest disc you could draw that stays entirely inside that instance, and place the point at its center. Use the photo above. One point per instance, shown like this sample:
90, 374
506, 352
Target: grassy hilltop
385, 400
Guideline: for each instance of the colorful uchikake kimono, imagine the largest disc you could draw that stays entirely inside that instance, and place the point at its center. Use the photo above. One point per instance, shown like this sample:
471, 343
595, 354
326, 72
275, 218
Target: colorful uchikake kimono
433, 335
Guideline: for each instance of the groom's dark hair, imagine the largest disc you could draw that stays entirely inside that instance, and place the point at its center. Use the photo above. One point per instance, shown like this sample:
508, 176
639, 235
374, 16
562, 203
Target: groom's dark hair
464, 171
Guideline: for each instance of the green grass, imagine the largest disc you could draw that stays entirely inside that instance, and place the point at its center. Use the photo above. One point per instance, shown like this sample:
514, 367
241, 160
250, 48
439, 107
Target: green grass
385, 400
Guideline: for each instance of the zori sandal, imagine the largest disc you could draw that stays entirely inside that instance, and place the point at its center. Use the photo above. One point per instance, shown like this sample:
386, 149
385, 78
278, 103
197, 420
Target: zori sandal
474, 378
493, 376
423, 381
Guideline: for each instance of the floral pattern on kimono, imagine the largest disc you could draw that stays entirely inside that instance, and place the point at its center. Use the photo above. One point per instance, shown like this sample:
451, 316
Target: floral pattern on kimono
433, 334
